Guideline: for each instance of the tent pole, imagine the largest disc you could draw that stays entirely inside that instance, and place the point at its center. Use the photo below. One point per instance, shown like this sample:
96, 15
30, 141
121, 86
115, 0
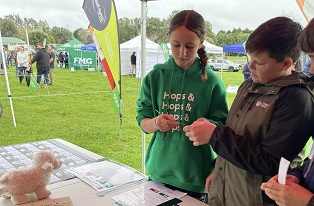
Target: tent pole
143, 70
222, 65
7, 80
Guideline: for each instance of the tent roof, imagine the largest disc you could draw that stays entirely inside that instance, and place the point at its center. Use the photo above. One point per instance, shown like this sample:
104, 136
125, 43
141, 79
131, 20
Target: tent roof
90, 47
73, 44
237, 48
212, 49
12, 40
135, 44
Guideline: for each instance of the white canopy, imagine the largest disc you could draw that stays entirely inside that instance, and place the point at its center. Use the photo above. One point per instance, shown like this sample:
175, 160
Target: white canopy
154, 55
212, 49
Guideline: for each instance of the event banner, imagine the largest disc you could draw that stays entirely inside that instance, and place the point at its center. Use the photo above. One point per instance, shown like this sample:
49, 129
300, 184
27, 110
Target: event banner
82, 59
103, 27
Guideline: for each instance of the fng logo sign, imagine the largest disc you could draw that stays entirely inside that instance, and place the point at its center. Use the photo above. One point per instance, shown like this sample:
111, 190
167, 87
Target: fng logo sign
78, 60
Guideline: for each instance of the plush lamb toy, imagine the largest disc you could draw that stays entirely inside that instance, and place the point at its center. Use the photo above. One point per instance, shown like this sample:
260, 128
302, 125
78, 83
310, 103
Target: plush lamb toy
19, 182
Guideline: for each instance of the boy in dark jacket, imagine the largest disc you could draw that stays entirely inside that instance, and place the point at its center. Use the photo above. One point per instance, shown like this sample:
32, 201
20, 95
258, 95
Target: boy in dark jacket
299, 188
271, 117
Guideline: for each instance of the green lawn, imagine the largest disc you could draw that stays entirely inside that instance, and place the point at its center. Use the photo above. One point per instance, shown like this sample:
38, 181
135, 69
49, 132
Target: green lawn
78, 109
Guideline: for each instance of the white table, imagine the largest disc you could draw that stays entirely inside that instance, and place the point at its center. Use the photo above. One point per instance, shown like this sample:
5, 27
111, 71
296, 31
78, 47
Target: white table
82, 194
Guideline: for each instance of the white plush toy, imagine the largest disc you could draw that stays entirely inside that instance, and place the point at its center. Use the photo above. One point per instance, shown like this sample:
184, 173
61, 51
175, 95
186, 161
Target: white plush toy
19, 182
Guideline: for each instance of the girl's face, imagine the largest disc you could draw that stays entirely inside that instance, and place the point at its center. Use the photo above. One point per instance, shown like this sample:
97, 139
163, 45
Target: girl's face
184, 45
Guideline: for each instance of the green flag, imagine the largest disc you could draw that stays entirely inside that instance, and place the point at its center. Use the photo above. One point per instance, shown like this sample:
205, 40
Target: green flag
115, 98
33, 84
165, 50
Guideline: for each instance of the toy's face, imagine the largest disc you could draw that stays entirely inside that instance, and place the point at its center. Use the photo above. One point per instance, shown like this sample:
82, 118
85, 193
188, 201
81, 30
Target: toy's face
57, 164
46, 160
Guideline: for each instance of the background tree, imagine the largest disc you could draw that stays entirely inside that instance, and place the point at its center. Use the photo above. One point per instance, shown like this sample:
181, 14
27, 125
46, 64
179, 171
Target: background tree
16, 19
89, 39
38, 36
128, 29
30, 23
81, 35
209, 34
43, 25
51, 39
156, 30
8, 28
232, 37
154, 24
61, 34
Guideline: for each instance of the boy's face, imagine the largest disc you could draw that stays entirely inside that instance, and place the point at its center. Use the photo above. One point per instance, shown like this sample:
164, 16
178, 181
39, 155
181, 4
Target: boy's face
311, 56
265, 69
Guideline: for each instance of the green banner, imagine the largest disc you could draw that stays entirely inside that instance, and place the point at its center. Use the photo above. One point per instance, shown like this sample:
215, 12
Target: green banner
33, 84
80, 59
165, 50
115, 98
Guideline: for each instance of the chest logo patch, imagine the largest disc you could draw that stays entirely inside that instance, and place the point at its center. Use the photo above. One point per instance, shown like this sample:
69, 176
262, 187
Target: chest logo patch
262, 104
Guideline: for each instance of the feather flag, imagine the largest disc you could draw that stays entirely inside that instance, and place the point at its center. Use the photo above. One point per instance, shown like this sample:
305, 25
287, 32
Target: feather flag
30, 81
103, 28
307, 8
165, 50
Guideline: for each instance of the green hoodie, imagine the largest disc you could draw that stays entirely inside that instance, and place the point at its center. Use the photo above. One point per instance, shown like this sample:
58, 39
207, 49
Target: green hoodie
171, 157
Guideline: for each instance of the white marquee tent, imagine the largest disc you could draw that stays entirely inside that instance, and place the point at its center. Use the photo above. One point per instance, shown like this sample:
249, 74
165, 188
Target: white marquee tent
154, 55
212, 49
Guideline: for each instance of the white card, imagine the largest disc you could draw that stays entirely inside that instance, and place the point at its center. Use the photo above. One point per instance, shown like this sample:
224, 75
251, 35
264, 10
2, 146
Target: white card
283, 169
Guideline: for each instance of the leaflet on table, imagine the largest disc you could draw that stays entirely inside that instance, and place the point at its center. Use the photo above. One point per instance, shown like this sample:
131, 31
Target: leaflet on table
153, 193
105, 175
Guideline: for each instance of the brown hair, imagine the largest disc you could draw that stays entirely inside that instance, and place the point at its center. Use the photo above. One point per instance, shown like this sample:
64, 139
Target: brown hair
194, 22
307, 38
278, 36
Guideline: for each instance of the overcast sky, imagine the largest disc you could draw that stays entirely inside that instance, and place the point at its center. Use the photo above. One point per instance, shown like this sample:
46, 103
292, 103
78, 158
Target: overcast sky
222, 14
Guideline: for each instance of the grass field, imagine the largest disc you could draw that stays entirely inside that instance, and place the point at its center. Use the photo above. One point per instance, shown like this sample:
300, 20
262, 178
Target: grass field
78, 109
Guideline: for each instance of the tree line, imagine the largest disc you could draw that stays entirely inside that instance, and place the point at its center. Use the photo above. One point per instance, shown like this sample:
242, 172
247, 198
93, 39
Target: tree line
156, 30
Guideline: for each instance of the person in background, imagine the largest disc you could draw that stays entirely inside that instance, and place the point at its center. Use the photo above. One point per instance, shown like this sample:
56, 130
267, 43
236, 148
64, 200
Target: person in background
5, 52
66, 60
22, 62
133, 64
52, 63
10, 58
175, 94
246, 71
42, 58
271, 117
60, 59
307, 67
1, 61
299, 187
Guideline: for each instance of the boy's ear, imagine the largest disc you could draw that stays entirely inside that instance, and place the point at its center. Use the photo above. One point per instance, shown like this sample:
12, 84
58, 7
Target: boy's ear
287, 63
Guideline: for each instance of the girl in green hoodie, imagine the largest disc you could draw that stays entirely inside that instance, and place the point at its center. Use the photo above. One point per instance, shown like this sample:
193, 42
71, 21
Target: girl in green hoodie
175, 94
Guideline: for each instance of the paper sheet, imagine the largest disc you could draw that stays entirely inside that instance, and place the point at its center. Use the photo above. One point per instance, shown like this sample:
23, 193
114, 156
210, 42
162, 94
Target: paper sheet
283, 169
106, 175
150, 194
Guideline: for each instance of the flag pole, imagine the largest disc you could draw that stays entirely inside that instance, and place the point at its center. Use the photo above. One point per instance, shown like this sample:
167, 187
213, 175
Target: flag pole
7, 80
143, 70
